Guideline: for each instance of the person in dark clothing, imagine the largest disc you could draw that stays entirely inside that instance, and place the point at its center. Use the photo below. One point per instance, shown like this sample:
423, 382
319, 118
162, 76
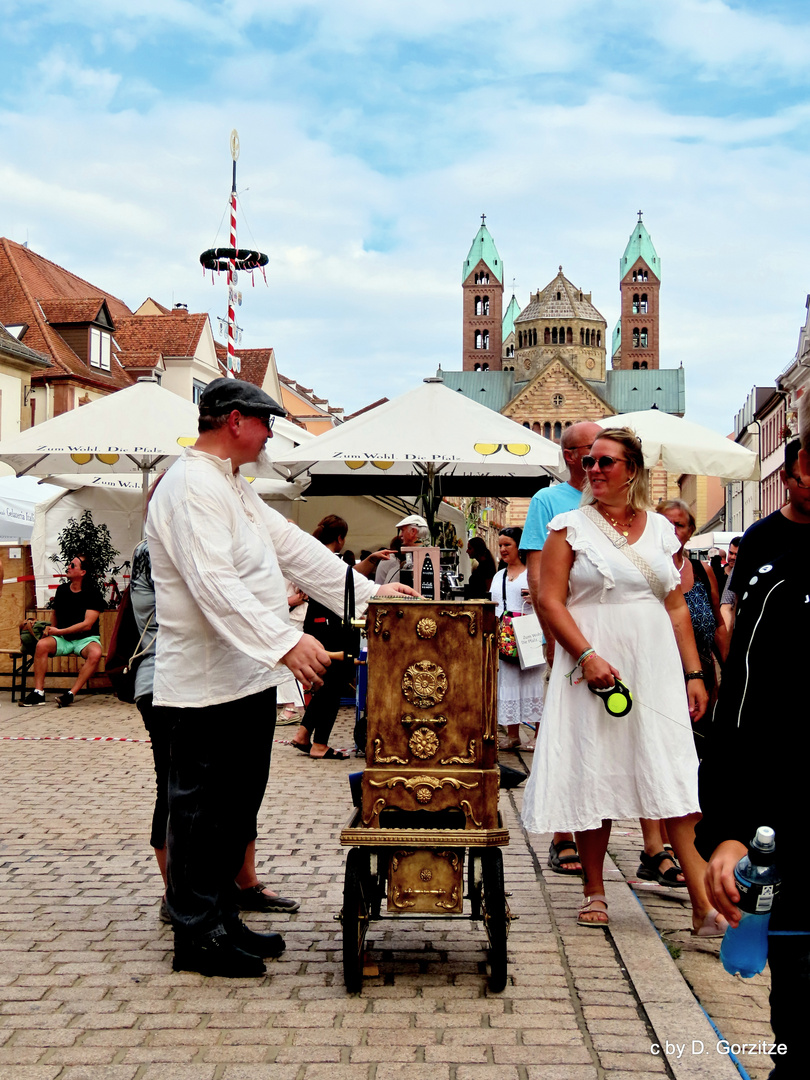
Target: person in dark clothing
477, 588
754, 772
312, 737
73, 631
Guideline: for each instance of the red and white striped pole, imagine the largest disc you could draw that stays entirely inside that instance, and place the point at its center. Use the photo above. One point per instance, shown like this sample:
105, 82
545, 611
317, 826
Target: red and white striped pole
231, 265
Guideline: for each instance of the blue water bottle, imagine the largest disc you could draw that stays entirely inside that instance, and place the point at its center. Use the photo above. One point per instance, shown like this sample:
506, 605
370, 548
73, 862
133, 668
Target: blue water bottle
745, 947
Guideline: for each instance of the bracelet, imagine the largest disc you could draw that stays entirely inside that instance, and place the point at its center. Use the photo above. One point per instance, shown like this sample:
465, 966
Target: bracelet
694, 675
584, 656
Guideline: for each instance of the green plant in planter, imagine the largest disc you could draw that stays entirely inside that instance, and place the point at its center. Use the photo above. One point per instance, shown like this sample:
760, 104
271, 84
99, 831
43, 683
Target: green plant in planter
84, 537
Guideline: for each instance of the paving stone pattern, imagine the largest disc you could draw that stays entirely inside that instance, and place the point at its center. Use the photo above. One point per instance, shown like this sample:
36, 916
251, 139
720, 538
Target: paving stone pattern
87, 991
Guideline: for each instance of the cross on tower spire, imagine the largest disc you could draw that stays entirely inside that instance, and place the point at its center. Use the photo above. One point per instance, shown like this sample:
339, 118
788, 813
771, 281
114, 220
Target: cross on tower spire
639, 216
483, 219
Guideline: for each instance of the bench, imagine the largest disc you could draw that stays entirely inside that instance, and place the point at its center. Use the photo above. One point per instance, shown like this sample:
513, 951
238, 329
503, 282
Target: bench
59, 667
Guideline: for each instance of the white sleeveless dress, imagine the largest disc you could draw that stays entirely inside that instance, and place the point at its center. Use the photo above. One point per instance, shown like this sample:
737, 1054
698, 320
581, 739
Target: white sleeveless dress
589, 765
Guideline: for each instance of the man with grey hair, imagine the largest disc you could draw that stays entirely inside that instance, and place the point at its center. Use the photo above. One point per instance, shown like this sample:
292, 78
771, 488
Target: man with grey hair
219, 559
411, 531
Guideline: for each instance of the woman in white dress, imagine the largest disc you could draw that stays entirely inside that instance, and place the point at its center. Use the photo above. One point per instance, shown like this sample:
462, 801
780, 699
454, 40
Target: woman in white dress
613, 618
520, 693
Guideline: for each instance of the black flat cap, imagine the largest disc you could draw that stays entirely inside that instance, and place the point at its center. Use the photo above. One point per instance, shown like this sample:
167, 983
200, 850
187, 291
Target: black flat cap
223, 395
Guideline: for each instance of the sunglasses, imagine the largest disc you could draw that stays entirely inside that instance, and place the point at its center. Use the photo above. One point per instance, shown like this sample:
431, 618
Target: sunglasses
268, 421
603, 462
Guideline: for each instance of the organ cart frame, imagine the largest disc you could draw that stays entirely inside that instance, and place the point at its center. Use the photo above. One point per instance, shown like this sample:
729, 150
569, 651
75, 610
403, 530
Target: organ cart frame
435, 762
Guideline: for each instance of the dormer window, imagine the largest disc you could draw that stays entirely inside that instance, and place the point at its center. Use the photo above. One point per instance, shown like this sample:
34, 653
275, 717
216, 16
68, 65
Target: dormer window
99, 349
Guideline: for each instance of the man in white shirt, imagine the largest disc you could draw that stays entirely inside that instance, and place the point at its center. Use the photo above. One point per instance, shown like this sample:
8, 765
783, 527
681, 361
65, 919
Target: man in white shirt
219, 559
411, 531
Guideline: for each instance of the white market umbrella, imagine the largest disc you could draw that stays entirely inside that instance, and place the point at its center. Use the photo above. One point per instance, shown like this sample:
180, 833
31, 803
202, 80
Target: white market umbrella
684, 447
431, 440
135, 430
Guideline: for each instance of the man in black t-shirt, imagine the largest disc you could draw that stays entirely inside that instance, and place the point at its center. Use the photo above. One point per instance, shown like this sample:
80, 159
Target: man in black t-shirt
781, 533
73, 631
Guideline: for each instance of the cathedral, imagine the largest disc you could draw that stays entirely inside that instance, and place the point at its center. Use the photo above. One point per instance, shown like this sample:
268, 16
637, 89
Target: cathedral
545, 365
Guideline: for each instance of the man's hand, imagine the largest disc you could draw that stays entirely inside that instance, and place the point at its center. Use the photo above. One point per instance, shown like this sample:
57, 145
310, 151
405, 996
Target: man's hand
395, 588
720, 884
307, 661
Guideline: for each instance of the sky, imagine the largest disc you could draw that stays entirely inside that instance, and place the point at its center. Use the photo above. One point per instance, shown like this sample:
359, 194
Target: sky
373, 136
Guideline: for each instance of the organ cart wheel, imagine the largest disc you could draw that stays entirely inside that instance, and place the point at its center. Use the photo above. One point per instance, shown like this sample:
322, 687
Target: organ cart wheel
357, 888
495, 913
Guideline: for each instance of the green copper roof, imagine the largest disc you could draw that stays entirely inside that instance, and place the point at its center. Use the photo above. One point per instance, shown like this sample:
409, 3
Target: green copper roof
483, 247
640, 246
495, 389
509, 317
617, 338
631, 391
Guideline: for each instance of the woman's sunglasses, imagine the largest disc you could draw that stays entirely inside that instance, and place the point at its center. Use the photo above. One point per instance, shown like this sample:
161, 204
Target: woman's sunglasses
603, 462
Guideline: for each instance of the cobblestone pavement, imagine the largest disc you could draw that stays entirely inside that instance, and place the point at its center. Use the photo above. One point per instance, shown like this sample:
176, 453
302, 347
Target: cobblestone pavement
87, 991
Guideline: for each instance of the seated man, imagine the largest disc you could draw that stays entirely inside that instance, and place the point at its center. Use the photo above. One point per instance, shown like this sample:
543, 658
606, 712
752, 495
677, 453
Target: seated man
411, 531
73, 631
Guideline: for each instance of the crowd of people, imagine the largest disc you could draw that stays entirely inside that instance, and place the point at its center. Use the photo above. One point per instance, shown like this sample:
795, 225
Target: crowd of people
232, 601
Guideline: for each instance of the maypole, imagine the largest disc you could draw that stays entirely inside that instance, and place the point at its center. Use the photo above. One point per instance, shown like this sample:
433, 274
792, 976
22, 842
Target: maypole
229, 261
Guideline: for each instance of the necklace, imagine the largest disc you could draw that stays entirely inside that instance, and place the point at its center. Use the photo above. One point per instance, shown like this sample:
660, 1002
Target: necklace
620, 526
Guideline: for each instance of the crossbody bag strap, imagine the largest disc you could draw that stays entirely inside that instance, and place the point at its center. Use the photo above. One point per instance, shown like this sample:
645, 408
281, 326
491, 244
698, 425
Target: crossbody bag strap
137, 655
503, 582
621, 544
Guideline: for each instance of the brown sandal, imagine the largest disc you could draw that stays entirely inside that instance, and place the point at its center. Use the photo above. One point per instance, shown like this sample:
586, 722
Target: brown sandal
588, 909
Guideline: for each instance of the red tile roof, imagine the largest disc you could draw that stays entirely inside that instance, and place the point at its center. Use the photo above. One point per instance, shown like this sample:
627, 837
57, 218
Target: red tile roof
27, 281
59, 312
145, 338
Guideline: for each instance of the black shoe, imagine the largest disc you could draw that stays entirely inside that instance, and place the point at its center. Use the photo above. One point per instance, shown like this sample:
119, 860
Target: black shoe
65, 700
36, 697
255, 898
267, 946
216, 954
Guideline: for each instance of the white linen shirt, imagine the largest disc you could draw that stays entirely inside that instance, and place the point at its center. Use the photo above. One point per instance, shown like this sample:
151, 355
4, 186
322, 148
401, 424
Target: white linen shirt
219, 559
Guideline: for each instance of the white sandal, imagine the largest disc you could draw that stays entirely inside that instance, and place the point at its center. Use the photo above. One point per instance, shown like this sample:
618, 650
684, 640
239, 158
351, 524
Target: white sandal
588, 909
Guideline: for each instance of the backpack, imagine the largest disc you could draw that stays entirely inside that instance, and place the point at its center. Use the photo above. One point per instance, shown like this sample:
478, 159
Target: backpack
123, 655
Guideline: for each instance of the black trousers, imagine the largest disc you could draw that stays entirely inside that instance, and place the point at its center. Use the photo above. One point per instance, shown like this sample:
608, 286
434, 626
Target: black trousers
789, 961
157, 725
220, 762
321, 713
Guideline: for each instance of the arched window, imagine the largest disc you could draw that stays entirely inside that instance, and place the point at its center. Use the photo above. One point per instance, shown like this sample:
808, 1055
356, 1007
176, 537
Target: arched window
486, 339
562, 335
478, 339
526, 423
485, 367
559, 296
635, 337
478, 305
557, 431
536, 428
635, 303
581, 336
534, 336
482, 278
644, 337
546, 336
644, 365
635, 365
598, 338
554, 336
477, 367
643, 304
547, 430
520, 339
485, 306
569, 336
587, 337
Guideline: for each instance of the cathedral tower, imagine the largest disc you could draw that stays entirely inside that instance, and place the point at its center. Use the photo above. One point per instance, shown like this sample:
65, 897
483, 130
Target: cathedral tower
482, 284
635, 339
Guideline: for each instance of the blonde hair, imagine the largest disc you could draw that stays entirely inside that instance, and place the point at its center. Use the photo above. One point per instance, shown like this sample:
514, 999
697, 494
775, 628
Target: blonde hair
638, 490
677, 504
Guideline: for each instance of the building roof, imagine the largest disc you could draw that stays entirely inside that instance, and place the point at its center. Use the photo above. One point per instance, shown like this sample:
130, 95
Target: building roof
663, 388
511, 313
483, 248
495, 389
572, 303
144, 339
366, 408
10, 346
639, 246
29, 284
